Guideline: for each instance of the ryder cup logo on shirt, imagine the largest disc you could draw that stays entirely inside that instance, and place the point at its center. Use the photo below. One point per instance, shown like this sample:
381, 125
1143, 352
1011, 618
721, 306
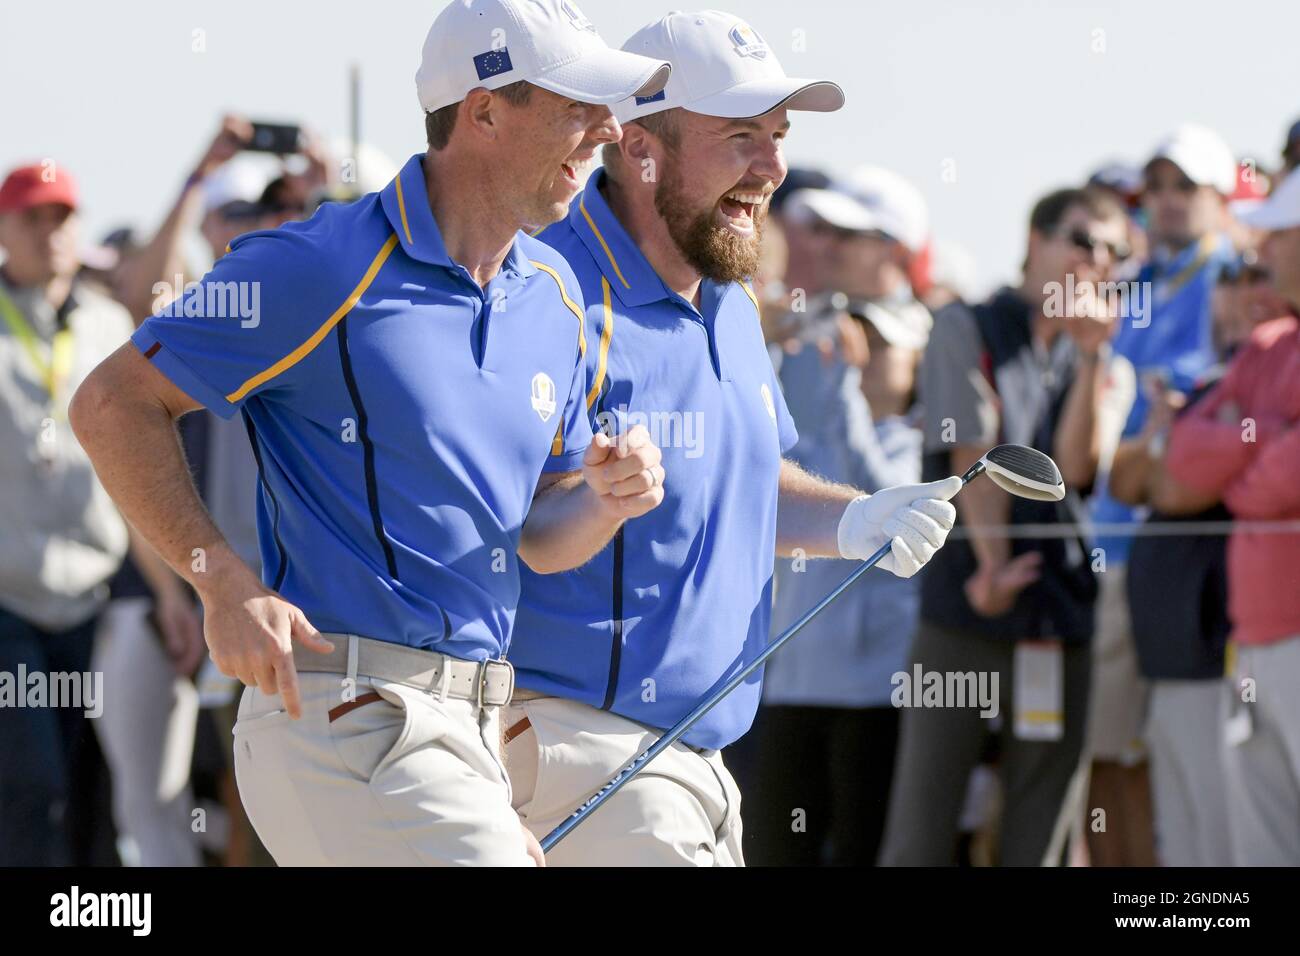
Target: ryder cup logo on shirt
543, 396
747, 41
767, 401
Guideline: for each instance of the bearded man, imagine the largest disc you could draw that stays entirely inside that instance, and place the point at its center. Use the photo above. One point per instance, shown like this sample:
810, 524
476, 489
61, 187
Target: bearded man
662, 240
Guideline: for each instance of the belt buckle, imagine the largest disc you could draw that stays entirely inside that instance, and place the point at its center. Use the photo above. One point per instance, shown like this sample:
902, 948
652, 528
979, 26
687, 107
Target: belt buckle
483, 676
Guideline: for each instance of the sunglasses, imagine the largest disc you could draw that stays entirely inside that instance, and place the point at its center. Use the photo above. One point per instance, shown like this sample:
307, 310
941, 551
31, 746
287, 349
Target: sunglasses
1085, 241
1243, 275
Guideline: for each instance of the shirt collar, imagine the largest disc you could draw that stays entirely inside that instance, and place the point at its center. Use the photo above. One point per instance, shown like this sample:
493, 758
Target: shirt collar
1209, 247
629, 273
406, 203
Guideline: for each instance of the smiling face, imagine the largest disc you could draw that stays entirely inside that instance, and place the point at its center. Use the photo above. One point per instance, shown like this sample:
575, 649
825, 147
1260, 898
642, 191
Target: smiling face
544, 149
716, 178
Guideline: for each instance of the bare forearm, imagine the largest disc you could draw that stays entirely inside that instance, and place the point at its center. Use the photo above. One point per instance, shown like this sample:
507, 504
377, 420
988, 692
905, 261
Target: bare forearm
162, 260
1171, 497
566, 527
131, 439
982, 506
808, 513
1077, 443
1131, 472
160, 578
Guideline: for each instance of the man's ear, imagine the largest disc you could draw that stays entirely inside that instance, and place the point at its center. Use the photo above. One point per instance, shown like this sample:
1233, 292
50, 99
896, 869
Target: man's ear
641, 152
478, 113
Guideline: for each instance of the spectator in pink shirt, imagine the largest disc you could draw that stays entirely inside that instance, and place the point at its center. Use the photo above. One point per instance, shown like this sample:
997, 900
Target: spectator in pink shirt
1242, 443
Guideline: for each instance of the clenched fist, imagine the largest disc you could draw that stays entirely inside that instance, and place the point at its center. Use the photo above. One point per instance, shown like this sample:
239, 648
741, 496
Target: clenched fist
625, 472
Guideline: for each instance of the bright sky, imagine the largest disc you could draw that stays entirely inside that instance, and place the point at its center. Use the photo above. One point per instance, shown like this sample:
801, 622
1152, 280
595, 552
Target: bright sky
1014, 97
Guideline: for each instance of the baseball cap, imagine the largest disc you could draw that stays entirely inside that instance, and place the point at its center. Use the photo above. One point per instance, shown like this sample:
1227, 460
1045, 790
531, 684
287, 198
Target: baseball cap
904, 325
238, 184
1281, 210
872, 199
549, 43
721, 67
36, 185
797, 178
1201, 154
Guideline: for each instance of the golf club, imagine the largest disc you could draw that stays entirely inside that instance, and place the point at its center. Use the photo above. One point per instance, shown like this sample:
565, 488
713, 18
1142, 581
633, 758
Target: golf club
1017, 469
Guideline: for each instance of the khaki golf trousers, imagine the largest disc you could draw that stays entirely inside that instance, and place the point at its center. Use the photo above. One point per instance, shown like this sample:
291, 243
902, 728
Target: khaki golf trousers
408, 780
683, 809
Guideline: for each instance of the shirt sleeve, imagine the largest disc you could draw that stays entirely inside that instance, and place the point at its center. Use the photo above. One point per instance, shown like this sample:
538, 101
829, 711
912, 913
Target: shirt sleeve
785, 427
1204, 453
959, 406
1118, 394
245, 327
1267, 489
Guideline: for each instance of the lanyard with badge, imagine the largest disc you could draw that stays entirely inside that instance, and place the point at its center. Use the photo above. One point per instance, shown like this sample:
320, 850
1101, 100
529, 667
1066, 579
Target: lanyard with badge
1165, 289
1038, 697
53, 371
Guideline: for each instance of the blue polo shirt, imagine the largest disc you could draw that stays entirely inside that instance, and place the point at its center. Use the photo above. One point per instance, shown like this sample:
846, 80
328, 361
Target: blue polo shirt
681, 598
401, 416
1168, 331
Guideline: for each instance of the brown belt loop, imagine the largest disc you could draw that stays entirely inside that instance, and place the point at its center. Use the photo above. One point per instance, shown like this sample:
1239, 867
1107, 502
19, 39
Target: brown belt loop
517, 729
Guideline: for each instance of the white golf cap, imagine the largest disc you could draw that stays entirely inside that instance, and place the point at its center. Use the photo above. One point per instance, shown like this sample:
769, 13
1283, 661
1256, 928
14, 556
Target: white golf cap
904, 325
1202, 155
1281, 210
240, 179
721, 67
871, 199
549, 43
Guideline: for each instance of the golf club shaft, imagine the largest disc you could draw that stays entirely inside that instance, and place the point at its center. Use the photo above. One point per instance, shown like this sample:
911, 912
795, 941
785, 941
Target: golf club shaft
674, 734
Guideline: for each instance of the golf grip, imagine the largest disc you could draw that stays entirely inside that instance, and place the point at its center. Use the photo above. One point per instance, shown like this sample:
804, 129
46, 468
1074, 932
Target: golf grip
679, 730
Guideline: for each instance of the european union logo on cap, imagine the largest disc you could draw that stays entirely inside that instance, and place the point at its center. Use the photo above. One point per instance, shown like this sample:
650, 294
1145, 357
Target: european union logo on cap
656, 98
493, 62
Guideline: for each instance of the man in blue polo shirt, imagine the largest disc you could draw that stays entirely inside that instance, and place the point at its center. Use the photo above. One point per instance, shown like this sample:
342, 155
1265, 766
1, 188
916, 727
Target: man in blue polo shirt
407, 367
662, 239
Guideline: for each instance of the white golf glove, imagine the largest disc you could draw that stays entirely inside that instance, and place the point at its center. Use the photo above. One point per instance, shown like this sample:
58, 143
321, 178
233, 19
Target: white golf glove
916, 517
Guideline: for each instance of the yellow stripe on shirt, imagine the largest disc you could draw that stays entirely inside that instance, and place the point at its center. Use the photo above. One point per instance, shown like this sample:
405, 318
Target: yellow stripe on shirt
582, 207
573, 306
401, 209
302, 351
606, 336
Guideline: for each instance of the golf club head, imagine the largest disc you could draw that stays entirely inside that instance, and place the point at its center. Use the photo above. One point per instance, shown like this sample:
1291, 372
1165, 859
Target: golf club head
1024, 472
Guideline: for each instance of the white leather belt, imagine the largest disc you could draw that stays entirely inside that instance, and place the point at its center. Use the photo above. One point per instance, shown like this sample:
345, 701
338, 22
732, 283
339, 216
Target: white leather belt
490, 683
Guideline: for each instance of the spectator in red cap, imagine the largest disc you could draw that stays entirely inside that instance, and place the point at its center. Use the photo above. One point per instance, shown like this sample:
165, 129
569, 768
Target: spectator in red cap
61, 538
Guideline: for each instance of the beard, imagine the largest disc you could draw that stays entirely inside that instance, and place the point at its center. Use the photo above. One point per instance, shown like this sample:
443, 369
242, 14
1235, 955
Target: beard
714, 252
